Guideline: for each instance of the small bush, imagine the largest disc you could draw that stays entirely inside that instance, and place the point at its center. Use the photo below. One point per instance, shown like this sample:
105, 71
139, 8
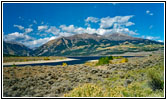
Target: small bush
14, 66
93, 90
64, 64
124, 60
103, 60
46, 58
111, 58
87, 90
156, 82
136, 90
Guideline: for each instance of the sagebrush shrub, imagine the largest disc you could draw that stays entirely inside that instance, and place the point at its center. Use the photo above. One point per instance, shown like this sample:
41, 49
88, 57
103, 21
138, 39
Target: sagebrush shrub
156, 82
124, 60
64, 64
103, 60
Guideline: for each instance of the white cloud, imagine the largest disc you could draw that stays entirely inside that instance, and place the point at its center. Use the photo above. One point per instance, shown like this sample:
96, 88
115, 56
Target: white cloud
44, 27
101, 31
119, 30
92, 19
69, 28
90, 30
38, 42
152, 38
79, 30
160, 41
53, 30
119, 21
117, 24
28, 30
16, 36
65, 34
19, 26
149, 13
129, 24
149, 37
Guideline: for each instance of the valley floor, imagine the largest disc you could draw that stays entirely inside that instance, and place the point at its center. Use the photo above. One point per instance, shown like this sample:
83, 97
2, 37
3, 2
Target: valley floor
134, 78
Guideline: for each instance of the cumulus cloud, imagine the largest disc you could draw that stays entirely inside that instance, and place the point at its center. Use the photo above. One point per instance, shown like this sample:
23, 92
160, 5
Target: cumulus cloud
69, 28
117, 21
53, 30
28, 30
92, 20
19, 27
117, 24
43, 27
90, 30
119, 30
16, 36
152, 38
38, 42
108, 25
79, 30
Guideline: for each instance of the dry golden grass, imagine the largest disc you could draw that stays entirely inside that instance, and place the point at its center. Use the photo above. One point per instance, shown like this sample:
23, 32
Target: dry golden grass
23, 72
24, 59
91, 63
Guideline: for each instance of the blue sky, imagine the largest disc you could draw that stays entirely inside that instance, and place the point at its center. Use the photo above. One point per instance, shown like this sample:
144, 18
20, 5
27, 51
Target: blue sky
34, 24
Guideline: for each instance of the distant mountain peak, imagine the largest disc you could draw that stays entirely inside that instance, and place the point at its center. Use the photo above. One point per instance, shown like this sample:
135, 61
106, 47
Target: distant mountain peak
13, 42
14, 48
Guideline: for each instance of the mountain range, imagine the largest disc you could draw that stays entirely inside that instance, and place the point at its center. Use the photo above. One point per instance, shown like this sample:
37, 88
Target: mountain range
86, 45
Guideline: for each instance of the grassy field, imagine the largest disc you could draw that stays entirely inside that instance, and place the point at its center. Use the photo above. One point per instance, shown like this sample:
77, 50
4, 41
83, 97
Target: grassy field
24, 59
147, 82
